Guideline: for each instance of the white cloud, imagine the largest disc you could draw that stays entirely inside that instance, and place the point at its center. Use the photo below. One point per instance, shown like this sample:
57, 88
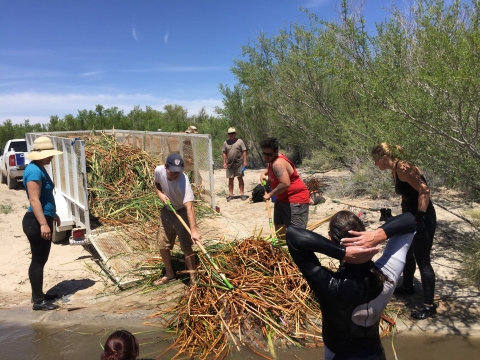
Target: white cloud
91, 73
38, 107
314, 3
165, 38
134, 33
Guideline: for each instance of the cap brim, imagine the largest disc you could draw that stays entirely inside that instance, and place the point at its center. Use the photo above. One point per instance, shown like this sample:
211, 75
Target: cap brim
174, 168
39, 155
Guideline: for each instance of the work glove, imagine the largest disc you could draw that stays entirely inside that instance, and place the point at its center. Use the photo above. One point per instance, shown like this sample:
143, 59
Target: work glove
420, 222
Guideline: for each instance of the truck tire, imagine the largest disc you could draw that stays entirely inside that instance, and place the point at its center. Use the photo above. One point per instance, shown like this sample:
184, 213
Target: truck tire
4, 179
58, 236
11, 183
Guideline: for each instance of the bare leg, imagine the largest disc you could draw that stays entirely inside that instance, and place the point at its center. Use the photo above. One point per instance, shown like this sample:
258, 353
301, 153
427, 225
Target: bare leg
230, 186
241, 185
190, 262
167, 262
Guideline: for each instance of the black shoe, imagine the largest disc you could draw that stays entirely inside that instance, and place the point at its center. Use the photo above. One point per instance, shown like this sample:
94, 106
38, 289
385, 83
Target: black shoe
404, 291
424, 312
44, 306
47, 297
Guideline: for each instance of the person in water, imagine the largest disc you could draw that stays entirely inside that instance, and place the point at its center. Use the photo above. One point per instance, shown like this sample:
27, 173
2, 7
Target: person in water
352, 298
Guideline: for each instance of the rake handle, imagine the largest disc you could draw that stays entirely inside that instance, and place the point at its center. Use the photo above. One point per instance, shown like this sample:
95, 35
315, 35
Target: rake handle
354, 205
224, 278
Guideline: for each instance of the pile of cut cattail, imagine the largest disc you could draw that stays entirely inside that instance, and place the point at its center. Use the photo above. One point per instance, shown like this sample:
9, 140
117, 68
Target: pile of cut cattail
270, 305
121, 187
270, 300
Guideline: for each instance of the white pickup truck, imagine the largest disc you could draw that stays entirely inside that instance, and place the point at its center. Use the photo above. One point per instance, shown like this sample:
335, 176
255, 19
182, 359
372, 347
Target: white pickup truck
13, 162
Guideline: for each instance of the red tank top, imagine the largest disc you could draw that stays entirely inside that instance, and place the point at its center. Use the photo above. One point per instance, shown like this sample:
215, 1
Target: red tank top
297, 192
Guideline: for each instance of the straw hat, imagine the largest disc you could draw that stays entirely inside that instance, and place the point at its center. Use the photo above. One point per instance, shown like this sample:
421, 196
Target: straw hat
231, 130
192, 130
42, 148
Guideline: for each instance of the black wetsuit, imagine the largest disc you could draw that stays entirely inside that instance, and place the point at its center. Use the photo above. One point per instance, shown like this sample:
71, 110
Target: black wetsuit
421, 247
353, 298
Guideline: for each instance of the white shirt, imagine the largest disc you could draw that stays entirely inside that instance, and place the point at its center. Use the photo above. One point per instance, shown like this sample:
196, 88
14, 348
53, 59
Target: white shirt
179, 191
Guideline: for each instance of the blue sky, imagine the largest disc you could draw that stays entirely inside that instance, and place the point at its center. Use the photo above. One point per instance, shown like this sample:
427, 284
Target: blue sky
57, 57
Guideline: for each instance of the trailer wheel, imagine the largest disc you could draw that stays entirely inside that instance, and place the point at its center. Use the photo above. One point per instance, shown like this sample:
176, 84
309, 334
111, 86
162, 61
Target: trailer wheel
11, 183
58, 236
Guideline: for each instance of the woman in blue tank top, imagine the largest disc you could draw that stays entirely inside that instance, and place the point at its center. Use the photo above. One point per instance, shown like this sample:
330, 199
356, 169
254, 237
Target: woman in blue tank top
39, 220
412, 186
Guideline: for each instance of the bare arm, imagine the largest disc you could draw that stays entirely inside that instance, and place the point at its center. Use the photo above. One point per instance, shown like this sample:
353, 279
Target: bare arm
281, 173
263, 176
158, 189
224, 157
34, 190
411, 174
359, 255
245, 158
192, 221
397, 225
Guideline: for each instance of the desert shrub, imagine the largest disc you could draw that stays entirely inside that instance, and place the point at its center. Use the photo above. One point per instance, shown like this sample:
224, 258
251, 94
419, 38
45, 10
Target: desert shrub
474, 216
5, 208
471, 260
321, 160
366, 180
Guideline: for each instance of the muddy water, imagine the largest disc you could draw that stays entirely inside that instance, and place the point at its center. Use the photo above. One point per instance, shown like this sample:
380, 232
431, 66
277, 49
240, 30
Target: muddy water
79, 342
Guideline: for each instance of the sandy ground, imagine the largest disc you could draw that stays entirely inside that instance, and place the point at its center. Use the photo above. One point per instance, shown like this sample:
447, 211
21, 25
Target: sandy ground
72, 271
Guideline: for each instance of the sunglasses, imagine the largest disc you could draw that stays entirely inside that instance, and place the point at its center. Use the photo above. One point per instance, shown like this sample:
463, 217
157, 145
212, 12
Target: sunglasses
267, 154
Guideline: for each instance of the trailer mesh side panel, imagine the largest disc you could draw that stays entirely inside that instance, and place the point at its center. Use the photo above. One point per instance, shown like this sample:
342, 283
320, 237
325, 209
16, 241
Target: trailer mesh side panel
123, 264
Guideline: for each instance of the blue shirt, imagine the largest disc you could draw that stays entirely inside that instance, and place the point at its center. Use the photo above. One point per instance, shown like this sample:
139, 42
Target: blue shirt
33, 172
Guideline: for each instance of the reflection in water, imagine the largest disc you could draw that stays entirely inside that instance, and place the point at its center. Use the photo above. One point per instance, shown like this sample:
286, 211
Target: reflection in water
79, 342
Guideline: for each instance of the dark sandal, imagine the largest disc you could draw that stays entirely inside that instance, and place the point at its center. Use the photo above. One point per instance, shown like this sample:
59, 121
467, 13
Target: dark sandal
404, 291
424, 312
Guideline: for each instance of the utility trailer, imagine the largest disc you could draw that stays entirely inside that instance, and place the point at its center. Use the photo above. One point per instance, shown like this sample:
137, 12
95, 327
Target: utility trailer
69, 173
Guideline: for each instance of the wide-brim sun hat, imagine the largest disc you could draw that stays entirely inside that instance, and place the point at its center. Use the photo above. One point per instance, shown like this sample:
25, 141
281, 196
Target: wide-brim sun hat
192, 130
42, 149
231, 130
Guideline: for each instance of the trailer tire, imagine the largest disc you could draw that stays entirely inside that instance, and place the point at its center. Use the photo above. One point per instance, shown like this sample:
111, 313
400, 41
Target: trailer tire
58, 236
11, 183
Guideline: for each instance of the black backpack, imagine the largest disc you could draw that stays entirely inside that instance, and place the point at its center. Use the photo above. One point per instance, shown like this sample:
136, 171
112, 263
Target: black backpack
257, 193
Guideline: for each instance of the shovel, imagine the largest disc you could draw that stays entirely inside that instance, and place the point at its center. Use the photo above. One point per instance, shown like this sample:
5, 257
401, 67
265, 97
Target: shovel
224, 278
385, 213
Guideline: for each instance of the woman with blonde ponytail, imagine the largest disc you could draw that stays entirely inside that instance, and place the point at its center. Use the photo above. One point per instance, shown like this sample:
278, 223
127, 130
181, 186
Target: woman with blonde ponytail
412, 186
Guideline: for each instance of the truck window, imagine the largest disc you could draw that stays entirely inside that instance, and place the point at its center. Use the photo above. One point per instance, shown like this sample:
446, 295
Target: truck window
19, 146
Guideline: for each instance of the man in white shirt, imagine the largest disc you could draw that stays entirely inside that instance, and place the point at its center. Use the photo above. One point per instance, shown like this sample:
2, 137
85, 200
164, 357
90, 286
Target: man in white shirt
172, 184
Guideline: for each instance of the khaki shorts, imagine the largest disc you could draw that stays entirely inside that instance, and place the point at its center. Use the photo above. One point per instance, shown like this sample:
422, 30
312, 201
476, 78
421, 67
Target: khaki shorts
234, 172
170, 227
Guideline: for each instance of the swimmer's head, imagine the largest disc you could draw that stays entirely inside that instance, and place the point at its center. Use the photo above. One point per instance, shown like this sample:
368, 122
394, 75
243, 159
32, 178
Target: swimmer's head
341, 223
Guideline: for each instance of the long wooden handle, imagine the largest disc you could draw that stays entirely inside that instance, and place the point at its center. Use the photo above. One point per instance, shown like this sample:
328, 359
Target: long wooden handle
355, 205
199, 244
270, 220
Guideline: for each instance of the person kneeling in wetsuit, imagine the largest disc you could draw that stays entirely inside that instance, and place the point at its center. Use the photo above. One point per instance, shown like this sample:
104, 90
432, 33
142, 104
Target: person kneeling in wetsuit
353, 298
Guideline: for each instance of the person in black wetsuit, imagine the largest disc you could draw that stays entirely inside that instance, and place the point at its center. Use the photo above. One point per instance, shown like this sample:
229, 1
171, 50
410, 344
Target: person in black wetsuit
411, 185
353, 298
